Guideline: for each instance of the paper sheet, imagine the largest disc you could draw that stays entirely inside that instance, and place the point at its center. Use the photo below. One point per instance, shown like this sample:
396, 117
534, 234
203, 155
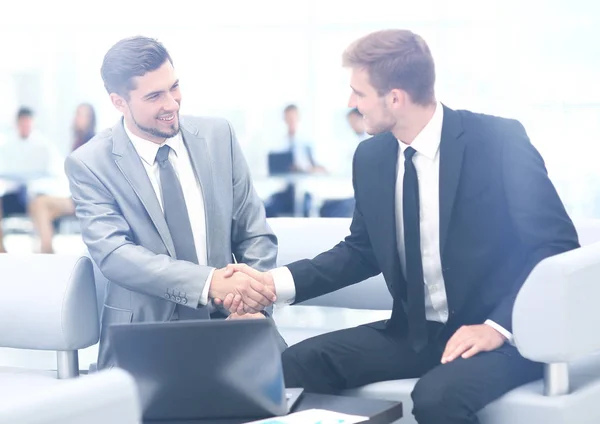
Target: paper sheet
314, 416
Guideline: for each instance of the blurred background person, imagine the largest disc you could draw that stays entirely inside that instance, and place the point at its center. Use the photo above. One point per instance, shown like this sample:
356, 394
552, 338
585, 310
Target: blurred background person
51, 198
340, 208
84, 125
355, 120
297, 156
23, 154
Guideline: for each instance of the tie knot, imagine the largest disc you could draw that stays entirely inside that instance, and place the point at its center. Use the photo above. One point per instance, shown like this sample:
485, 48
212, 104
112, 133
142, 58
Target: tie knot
409, 153
163, 154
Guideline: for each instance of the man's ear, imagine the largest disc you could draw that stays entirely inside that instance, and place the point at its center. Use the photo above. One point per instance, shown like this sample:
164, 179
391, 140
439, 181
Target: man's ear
118, 102
397, 98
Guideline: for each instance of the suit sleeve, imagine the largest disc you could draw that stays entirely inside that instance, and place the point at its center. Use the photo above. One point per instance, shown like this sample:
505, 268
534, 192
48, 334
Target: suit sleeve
253, 241
536, 211
349, 262
109, 239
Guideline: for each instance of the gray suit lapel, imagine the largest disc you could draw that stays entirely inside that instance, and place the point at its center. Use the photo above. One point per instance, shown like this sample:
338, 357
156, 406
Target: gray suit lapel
200, 158
130, 164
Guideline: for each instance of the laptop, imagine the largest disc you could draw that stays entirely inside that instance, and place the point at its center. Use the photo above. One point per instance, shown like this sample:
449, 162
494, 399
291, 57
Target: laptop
280, 162
24, 161
204, 369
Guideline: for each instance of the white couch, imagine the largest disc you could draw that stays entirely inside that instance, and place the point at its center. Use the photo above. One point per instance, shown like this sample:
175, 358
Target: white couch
554, 321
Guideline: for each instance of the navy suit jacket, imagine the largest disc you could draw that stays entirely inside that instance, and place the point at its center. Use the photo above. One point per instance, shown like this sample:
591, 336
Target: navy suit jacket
499, 216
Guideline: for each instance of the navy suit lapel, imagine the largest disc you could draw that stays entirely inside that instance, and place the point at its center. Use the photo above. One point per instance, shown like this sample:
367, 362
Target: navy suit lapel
452, 149
384, 186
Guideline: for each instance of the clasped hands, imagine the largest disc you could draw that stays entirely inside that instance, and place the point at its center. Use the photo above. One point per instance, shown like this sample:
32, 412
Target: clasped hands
242, 290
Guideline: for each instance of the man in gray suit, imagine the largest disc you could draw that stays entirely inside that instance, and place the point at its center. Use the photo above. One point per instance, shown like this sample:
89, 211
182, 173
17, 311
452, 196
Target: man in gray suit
164, 202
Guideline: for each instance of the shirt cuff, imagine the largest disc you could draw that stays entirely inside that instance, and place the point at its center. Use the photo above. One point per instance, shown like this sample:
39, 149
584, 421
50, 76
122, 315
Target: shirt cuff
204, 296
501, 330
285, 288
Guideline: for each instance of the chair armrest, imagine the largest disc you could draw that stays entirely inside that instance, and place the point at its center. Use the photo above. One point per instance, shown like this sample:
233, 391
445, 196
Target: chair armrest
555, 316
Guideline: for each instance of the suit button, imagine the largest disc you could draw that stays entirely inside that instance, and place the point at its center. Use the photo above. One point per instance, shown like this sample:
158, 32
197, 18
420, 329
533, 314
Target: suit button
184, 300
178, 299
167, 296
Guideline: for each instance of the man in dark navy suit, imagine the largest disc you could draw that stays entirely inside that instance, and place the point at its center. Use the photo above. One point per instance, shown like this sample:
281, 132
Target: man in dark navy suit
455, 209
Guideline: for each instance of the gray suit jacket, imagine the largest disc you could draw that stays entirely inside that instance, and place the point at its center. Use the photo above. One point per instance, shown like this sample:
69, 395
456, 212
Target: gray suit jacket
126, 233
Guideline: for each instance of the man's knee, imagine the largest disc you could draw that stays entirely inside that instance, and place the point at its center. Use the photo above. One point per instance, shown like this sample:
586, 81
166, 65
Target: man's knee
297, 358
437, 401
307, 365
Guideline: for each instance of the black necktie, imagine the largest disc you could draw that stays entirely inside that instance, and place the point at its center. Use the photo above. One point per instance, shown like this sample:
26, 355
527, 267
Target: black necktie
417, 322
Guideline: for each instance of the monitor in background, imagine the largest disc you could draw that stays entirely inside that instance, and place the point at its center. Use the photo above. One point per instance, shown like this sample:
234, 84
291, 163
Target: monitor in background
280, 162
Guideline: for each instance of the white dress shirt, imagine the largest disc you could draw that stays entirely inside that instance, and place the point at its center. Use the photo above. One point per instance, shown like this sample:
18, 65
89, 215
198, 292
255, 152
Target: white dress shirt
192, 192
427, 164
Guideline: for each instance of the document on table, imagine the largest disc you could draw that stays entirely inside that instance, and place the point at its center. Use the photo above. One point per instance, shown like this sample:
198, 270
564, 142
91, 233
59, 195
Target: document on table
314, 416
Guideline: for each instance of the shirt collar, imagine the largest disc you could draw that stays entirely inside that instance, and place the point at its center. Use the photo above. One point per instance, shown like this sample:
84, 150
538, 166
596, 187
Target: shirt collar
427, 142
147, 150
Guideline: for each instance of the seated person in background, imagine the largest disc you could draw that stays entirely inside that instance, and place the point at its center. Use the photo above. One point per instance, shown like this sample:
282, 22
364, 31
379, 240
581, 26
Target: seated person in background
344, 208
302, 161
53, 200
356, 122
13, 194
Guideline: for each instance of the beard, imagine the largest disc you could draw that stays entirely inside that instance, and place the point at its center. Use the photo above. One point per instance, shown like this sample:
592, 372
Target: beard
155, 132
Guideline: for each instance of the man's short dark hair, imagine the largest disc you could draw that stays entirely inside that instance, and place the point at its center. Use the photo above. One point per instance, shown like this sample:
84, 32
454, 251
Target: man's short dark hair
354, 111
129, 58
24, 112
290, 108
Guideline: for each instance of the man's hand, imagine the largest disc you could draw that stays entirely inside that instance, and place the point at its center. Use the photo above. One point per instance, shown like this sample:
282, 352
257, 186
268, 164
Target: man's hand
234, 302
252, 296
469, 340
235, 316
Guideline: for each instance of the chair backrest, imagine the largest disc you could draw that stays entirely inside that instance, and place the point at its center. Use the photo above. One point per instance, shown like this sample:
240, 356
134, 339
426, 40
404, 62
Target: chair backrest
48, 302
106, 397
302, 238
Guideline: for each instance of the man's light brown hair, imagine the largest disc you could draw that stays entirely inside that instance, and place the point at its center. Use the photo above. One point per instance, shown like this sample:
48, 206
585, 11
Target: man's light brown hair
395, 58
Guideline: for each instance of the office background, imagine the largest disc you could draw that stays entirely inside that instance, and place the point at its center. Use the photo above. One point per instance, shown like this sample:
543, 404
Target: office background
535, 61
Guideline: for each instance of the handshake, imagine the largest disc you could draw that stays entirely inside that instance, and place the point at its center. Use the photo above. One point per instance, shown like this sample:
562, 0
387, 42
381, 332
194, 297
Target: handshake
242, 289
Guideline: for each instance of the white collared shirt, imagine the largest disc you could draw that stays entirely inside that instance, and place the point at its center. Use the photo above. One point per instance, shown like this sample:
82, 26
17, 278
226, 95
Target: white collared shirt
192, 191
427, 164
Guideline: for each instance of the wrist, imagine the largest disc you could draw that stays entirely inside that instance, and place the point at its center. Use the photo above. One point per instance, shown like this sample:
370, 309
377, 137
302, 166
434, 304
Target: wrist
214, 284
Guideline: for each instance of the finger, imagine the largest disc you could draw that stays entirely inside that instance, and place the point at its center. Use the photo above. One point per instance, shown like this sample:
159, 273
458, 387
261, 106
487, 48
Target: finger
229, 271
454, 341
257, 275
253, 298
471, 352
249, 310
217, 302
457, 338
460, 349
228, 301
265, 291
235, 303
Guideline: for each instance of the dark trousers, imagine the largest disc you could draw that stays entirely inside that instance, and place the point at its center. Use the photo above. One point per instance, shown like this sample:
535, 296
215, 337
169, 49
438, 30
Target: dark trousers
445, 394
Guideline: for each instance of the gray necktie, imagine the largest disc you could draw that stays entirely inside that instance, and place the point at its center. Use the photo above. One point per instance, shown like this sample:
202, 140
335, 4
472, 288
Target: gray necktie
175, 210
178, 221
